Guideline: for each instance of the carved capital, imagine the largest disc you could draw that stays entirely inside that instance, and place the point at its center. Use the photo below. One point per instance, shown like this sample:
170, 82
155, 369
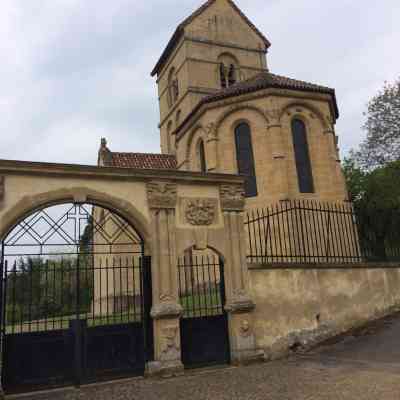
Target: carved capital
232, 197
161, 194
200, 212
273, 115
166, 310
211, 132
240, 303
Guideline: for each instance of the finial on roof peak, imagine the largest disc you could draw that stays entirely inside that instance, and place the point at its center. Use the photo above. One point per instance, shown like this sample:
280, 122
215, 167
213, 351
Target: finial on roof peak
103, 142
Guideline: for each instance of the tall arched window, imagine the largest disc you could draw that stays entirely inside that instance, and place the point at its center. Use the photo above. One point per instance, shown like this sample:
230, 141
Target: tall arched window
302, 156
202, 157
245, 158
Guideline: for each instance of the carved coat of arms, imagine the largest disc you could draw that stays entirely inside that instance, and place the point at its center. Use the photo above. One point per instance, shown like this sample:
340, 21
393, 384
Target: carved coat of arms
200, 212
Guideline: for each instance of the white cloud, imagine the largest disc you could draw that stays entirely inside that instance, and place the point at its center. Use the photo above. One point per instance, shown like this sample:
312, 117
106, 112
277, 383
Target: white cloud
73, 71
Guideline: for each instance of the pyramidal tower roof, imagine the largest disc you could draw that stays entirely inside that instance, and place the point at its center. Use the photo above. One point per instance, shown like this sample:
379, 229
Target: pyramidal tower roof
181, 27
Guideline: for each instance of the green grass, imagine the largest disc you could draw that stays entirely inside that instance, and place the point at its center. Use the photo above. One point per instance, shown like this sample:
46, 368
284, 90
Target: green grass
62, 323
201, 304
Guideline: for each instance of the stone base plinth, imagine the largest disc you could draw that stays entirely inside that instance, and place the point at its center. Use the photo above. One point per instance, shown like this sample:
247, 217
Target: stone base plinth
247, 357
164, 369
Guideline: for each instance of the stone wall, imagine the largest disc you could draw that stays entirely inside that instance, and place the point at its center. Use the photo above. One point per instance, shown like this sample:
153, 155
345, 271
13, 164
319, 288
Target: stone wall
304, 305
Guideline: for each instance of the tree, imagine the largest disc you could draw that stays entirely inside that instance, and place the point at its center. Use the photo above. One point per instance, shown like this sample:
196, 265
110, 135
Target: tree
382, 144
376, 198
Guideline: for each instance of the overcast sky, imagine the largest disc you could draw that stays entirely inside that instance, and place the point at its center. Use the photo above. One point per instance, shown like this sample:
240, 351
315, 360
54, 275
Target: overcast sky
73, 71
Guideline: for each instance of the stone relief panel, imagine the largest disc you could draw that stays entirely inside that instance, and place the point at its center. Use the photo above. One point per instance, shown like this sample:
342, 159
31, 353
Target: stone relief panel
199, 211
162, 194
232, 197
245, 329
170, 350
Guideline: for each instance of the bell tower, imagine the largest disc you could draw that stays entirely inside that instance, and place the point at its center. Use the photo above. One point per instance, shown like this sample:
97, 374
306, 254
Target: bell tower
212, 49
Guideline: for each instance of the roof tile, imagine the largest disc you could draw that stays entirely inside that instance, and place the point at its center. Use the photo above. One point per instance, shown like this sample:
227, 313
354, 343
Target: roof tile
142, 161
263, 80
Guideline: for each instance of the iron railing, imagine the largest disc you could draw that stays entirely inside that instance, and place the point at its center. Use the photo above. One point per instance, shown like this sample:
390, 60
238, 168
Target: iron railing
304, 231
201, 286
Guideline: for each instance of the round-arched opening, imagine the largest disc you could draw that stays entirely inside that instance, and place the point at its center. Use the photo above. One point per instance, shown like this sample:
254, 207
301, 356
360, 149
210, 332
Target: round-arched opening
71, 269
202, 296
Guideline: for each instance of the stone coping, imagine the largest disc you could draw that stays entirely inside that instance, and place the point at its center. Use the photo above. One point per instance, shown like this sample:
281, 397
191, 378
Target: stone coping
13, 167
323, 266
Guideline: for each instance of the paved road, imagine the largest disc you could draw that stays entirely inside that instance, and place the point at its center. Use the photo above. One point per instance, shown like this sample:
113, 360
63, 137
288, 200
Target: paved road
365, 366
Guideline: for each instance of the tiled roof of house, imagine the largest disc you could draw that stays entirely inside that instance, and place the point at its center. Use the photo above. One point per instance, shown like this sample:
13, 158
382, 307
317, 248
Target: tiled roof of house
180, 29
264, 80
142, 161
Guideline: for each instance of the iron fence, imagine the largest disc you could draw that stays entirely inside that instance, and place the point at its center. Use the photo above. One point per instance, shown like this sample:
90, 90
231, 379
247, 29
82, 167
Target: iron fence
304, 231
201, 286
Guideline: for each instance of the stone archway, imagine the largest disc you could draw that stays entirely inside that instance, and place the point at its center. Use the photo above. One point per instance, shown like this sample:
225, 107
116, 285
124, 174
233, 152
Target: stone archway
30, 204
73, 267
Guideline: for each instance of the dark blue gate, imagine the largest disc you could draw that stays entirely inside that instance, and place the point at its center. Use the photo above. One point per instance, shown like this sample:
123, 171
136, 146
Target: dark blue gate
76, 299
204, 325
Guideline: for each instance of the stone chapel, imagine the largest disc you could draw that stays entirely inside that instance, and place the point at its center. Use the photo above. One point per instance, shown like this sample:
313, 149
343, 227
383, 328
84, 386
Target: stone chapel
223, 111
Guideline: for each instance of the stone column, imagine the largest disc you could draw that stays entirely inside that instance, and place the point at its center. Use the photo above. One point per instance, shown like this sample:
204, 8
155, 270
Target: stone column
279, 157
212, 148
239, 304
166, 310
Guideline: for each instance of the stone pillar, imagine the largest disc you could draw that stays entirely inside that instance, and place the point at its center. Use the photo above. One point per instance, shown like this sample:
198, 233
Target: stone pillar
212, 148
239, 304
279, 157
166, 310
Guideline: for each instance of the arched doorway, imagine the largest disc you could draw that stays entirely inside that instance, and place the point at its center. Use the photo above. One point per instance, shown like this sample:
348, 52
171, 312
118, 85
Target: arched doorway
76, 298
204, 323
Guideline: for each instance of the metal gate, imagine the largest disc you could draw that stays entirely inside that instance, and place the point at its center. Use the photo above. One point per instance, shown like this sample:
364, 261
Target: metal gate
76, 297
204, 326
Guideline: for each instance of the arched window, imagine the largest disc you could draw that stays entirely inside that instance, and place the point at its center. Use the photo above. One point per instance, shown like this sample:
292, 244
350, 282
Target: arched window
222, 75
232, 75
302, 157
245, 158
228, 70
202, 157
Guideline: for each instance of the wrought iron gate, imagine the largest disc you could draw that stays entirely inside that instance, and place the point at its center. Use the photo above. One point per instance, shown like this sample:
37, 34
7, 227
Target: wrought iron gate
76, 296
204, 326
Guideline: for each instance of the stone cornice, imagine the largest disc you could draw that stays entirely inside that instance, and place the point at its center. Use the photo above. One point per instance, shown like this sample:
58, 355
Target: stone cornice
10, 167
224, 44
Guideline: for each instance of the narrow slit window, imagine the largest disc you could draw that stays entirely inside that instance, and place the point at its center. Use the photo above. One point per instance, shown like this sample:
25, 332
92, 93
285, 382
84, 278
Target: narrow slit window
302, 157
202, 156
245, 158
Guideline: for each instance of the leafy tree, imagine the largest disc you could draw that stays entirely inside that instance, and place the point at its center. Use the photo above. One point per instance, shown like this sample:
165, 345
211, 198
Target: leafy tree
382, 144
376, 198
